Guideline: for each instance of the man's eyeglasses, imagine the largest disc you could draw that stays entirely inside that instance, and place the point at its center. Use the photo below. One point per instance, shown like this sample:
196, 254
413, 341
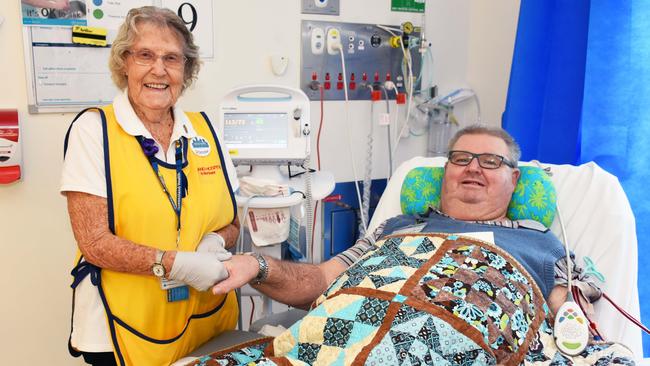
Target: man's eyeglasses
147, 58
485, 161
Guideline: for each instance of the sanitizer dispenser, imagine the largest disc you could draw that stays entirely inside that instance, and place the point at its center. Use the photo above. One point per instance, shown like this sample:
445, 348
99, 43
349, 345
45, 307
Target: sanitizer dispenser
10, 159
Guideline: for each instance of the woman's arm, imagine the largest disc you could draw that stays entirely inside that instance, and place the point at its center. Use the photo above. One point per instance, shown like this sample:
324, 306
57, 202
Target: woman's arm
89, 220
230, 233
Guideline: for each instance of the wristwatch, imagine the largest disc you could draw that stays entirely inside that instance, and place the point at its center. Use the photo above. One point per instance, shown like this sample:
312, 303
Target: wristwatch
158, 269
263, 272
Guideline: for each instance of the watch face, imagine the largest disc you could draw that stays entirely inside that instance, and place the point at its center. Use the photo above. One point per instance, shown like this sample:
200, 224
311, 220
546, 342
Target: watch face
158, 270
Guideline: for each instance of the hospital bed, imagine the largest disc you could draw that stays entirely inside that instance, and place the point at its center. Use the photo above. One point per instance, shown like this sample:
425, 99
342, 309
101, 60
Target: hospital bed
599, 224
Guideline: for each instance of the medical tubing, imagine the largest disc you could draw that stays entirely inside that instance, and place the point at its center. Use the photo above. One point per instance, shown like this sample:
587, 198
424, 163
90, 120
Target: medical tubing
309, 225
626, 314
390, 156
409, 81
367, 177
320, 127
250, 320
347, 124
320, 123
592, 325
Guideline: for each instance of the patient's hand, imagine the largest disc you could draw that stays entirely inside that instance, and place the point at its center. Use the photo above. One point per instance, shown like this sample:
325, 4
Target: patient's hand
242, 269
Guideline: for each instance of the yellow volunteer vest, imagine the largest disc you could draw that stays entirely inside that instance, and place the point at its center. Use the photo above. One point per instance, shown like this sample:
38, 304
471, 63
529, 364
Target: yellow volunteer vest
145, 328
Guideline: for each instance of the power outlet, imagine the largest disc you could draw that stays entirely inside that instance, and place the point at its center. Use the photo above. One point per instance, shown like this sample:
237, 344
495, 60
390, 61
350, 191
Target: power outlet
323, 7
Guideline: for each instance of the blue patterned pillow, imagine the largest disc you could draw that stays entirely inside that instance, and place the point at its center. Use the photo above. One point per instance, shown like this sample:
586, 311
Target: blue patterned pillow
534, 196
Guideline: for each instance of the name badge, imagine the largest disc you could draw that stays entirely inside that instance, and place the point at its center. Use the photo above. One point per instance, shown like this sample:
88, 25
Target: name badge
176, 290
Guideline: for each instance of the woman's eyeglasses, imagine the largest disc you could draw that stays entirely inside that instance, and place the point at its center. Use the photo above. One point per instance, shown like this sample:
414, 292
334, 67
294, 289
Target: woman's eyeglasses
486, 161
148, 58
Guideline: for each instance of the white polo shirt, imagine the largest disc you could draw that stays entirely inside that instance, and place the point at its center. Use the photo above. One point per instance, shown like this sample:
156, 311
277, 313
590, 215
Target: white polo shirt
83, 171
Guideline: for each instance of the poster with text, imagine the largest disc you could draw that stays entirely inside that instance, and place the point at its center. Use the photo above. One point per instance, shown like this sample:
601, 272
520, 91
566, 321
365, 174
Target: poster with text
53, 12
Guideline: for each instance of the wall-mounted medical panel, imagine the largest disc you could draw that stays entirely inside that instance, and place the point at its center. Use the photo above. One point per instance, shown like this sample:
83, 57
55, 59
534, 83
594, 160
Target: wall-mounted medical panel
372, 55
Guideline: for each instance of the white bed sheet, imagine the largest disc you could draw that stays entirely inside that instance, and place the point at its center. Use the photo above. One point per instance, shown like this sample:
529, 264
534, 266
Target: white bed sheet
599, 224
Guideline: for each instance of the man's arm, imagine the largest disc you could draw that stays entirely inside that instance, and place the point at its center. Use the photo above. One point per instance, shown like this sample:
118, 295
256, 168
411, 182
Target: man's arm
294, 284
557, 298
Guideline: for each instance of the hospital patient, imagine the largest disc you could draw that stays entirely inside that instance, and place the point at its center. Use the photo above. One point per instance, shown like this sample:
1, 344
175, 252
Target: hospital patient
404, 295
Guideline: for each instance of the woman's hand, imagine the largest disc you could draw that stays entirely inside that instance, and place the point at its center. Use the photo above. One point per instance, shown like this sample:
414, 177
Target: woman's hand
214, 243
199, 270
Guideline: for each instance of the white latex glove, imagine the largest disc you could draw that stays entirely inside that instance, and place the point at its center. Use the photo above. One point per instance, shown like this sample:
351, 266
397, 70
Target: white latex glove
214, 243
200, 270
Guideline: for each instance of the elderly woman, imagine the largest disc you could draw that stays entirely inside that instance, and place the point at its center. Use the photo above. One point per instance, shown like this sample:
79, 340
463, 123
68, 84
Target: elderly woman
150, 199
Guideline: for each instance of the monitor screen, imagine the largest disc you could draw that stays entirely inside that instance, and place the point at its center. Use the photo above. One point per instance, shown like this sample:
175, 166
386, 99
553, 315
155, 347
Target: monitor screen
256, 130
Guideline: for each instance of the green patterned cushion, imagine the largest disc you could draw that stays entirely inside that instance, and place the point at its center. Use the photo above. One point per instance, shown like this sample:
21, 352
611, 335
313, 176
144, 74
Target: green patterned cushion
534, 197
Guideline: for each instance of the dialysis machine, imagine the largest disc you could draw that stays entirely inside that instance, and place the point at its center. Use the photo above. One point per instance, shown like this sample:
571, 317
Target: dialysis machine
268, 129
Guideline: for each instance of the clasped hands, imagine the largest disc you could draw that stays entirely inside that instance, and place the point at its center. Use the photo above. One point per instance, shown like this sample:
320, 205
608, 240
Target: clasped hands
203, 268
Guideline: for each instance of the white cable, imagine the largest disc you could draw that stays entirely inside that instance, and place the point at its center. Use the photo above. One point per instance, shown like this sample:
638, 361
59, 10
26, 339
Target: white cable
347, 125
389, 85
367, 177
409, 103
408, 80
569, 263
388, 29
240, 249
309, 228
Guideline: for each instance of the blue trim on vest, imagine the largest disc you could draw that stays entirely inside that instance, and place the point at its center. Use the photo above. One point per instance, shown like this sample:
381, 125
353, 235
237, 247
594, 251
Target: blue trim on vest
78, 274
67, 134
107, 169
73, 352
223, 165
170, 340
111, 323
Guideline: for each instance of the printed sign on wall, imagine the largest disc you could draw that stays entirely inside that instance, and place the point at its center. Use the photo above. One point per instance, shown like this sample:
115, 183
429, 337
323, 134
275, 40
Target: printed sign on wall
413, 6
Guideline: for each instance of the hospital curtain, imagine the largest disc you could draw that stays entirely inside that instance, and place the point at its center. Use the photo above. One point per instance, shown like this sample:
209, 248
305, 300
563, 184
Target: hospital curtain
580, 91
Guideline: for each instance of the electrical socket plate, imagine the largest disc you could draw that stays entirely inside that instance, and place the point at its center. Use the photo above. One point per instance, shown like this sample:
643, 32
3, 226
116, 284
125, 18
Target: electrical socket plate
323, 7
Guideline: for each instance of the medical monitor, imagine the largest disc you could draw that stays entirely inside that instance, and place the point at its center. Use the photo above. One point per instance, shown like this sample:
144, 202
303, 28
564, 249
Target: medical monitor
265, 125
256, 130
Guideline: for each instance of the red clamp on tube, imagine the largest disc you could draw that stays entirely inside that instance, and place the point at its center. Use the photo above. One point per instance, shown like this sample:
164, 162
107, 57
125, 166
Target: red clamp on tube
401, 98
375, 95
10, 158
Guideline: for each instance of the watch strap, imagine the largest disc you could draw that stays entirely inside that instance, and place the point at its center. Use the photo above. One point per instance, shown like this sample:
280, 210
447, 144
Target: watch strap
158, 262
263, 271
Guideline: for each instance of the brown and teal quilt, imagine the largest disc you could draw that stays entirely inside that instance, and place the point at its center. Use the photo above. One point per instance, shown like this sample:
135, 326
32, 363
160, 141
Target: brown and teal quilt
424, 299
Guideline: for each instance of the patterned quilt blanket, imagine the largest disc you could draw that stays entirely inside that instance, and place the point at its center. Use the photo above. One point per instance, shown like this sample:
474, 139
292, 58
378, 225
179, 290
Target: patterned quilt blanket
424, 299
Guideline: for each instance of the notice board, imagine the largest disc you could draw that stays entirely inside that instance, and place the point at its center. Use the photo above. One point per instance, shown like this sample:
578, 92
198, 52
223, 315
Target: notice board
63, 76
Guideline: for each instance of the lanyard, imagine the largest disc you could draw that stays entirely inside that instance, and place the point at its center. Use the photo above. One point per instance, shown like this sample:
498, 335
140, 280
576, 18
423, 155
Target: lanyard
181, 185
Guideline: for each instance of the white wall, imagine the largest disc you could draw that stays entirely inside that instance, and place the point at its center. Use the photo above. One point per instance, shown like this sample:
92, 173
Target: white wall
473, 42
